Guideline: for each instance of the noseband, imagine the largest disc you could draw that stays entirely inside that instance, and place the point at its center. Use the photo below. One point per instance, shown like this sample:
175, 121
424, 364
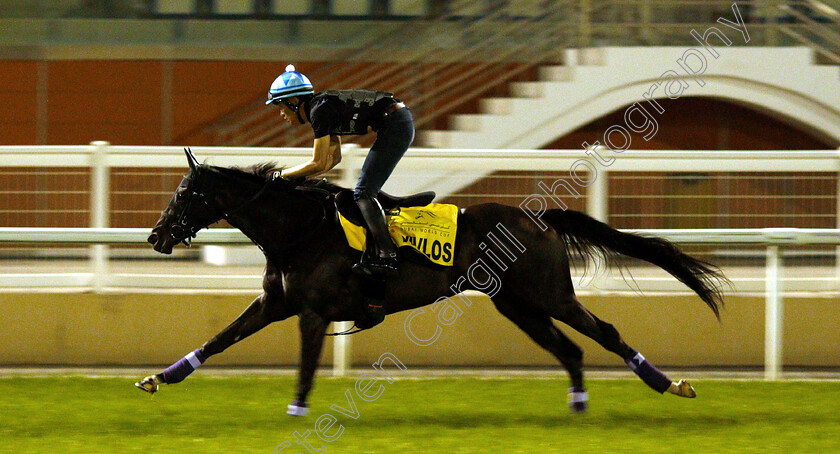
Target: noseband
181, 227
205, 193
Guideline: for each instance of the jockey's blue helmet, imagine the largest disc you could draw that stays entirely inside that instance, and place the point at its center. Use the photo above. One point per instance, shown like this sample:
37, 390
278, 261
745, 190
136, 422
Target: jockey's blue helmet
290, 83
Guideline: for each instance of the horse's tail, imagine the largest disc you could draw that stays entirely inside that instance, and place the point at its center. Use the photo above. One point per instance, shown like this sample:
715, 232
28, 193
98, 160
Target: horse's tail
590, 237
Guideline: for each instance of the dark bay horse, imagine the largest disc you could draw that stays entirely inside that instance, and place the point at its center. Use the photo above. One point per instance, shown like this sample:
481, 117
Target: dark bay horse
521, 265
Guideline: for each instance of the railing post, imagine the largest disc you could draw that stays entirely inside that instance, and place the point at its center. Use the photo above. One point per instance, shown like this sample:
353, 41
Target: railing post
166, 101
99, 207
351, 164
644, 23
597, 196
773, 315
597, 206
837, 221
584, 24
772, 9
42, 82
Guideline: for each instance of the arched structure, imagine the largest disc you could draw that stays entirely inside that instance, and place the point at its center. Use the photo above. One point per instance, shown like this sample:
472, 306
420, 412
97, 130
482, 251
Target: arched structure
782, 82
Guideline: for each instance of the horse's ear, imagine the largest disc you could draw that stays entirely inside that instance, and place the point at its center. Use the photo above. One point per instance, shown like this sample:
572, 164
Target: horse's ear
191, 158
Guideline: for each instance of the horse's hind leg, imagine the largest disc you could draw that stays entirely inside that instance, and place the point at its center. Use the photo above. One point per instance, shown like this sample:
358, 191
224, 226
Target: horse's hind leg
264, 310
574, 314
542, 330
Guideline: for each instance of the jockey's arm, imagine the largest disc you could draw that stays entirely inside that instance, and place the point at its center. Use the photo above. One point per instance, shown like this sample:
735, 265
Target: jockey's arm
335, 152
326, 155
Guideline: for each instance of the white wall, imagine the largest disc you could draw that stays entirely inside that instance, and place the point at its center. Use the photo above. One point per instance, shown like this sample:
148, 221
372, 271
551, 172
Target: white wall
783, 82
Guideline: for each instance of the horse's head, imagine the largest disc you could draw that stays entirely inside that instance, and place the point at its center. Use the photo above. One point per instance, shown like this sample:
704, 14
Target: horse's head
190, 209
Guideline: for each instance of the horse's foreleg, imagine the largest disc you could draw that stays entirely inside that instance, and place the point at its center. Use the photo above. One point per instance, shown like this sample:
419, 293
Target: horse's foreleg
578, 317
261, 312
541, 329
312, 330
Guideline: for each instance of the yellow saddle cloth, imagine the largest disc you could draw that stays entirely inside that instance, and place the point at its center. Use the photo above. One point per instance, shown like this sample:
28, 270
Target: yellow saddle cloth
430, 230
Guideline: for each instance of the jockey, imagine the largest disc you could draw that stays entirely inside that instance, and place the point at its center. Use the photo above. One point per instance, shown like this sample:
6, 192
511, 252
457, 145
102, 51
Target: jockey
334, 113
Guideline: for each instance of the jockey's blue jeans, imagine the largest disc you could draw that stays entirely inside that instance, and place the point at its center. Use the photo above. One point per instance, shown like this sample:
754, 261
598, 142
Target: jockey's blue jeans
392, 140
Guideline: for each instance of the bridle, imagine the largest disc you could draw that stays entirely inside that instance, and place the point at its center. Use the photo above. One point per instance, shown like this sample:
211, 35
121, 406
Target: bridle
183, 231
181, 227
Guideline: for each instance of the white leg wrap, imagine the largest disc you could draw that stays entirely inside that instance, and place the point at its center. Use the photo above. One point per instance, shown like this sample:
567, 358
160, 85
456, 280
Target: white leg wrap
294, 410
576, 397
193, 360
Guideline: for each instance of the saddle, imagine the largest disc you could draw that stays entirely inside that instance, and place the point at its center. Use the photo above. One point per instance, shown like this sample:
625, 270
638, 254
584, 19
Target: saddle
373, 289
345, 204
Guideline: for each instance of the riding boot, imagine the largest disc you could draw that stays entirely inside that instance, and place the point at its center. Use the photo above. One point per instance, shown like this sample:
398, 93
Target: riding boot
384, 262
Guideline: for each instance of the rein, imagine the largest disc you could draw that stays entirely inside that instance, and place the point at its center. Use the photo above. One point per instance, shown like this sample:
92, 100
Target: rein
347, 332
205, 194
307, 232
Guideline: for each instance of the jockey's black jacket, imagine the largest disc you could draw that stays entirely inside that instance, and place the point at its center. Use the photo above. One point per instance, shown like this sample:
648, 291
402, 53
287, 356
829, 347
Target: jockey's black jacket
346, 112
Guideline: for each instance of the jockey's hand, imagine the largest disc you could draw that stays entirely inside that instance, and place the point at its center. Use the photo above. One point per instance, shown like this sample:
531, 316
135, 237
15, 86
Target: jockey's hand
277, 174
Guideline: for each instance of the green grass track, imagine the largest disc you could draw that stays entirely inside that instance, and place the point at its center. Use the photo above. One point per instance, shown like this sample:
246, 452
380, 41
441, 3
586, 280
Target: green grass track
445, 415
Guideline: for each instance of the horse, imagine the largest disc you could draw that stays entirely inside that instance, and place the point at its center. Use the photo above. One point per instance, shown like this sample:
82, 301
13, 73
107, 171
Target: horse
308, 270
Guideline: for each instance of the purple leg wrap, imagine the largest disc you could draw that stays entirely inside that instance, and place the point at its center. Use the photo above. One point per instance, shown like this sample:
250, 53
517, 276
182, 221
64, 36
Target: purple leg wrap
183, 368
652, 376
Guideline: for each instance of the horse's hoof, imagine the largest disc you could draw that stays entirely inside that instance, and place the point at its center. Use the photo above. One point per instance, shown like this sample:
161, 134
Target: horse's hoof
149, 384
578, 400
578, 407
682, 388
297, 408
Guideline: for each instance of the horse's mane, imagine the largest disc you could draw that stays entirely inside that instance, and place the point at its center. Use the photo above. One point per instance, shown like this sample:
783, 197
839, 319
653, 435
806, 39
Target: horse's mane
262, 172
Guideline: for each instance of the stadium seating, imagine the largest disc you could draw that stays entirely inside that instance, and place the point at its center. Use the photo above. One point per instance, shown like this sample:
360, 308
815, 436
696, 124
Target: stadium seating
351, 7
234, 7
175, 7
291, 7
407, 8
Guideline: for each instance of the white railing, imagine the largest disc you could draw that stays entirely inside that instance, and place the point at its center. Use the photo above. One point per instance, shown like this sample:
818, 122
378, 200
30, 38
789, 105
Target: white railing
772, 238
445, 171
442, 170
466, 165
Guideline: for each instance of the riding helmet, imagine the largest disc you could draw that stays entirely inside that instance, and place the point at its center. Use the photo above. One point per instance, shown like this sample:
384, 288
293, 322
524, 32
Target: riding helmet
290, 83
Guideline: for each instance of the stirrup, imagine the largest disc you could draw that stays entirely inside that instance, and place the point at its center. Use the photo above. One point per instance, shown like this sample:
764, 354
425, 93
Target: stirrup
374, 314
